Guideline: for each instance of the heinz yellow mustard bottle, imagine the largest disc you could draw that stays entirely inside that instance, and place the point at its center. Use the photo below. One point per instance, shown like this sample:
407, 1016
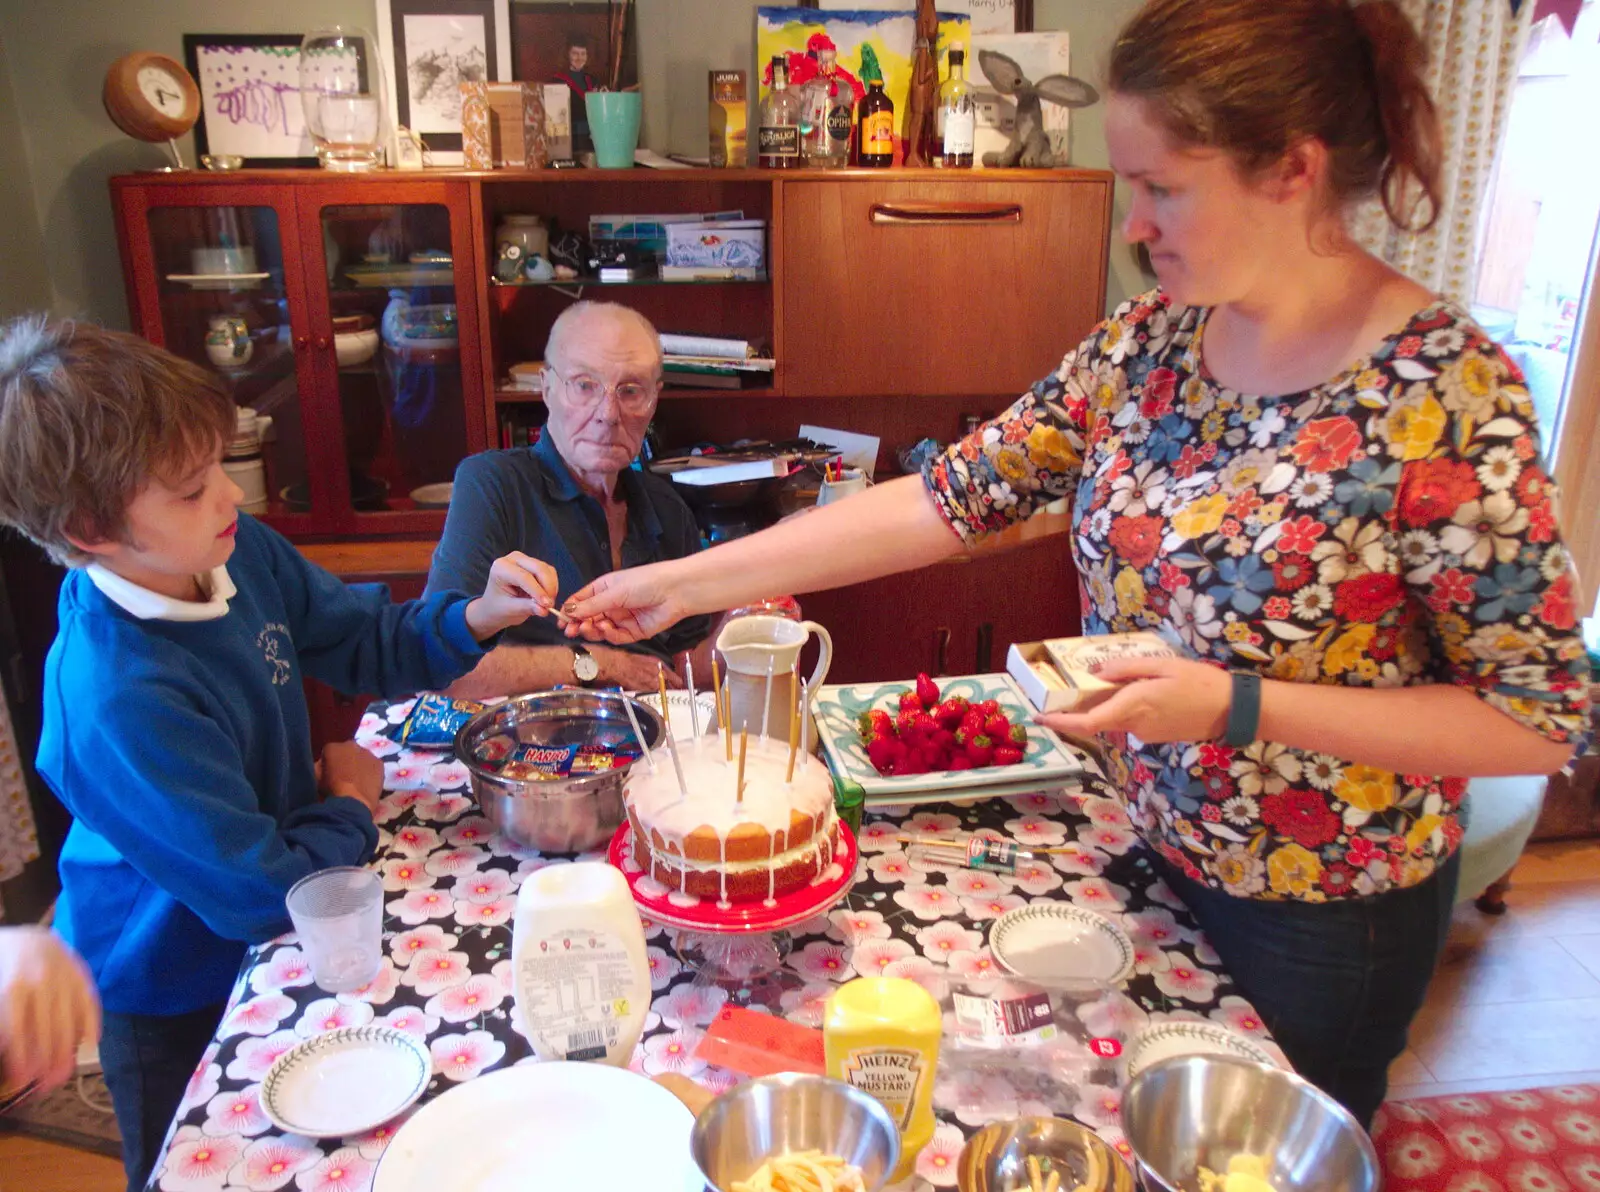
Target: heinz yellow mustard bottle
881, 1034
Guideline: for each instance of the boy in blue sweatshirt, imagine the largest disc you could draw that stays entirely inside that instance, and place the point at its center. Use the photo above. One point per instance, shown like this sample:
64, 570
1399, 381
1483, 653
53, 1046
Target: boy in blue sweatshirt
175, 725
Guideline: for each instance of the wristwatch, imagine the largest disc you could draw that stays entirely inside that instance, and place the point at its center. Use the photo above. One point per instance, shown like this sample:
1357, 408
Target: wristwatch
584, 668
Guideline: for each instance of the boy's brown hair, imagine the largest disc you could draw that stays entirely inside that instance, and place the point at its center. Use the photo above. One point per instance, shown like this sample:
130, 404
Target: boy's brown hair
88, 417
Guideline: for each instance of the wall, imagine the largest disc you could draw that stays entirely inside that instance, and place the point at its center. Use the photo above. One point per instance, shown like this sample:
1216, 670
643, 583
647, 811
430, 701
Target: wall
59, 51
24, 282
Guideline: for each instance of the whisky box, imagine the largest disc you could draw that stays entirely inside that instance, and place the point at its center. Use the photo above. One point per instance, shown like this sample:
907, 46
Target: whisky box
477, 139
727, 118
516, 125
1063, 673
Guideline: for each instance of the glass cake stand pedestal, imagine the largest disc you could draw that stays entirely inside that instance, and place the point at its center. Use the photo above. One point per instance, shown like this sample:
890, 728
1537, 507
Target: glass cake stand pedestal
738, 948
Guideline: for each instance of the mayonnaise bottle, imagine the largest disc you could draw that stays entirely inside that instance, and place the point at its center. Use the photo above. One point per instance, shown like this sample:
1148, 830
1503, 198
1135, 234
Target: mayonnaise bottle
580, 975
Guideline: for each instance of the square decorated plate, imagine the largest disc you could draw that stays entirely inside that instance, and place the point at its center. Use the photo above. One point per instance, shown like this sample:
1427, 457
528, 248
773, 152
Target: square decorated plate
1047, 761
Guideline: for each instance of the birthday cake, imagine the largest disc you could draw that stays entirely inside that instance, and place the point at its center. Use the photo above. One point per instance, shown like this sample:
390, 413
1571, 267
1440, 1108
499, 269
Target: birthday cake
707, 841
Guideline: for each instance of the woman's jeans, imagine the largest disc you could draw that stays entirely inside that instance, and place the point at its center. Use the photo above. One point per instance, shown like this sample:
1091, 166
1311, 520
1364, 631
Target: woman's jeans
1338, 982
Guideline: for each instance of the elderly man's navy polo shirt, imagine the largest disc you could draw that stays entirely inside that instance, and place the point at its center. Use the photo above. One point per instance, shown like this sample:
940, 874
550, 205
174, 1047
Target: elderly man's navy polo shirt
526, 499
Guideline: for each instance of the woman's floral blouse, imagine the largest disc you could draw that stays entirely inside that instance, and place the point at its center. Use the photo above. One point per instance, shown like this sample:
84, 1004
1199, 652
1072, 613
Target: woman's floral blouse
1394, 526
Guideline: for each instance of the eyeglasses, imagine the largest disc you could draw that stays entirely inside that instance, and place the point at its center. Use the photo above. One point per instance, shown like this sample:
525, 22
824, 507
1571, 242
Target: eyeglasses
630, 395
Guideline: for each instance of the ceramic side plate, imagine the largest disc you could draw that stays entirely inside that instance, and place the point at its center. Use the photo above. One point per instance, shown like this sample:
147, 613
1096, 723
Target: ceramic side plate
678, 712
1163, 1040
1059, 944
345, 1081
1047, 762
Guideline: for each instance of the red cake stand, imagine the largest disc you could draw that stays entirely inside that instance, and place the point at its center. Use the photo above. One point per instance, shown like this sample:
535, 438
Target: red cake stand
738, 947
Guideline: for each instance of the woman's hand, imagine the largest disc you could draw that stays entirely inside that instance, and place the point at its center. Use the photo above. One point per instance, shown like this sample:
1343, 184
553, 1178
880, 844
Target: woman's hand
47, 1008
1162, 699
519, 587
625, 606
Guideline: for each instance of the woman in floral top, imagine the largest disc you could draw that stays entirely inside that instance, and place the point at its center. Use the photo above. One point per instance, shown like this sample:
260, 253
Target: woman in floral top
1302, 466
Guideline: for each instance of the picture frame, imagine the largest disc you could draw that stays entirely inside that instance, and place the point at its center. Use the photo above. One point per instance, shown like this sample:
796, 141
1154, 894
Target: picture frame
543, 38
432, 46
249, 98
987, 16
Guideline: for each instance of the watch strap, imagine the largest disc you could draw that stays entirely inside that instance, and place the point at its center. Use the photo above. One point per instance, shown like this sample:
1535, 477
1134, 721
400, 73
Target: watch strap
1244, 710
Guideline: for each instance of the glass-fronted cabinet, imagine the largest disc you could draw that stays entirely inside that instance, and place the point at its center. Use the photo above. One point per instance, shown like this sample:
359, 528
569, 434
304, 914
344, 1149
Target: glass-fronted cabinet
343, 322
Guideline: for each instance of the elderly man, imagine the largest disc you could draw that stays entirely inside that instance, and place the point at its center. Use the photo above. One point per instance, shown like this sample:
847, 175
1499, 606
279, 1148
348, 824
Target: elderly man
574, 502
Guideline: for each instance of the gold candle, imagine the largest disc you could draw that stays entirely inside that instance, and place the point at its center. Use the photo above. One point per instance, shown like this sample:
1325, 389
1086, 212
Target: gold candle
744, 739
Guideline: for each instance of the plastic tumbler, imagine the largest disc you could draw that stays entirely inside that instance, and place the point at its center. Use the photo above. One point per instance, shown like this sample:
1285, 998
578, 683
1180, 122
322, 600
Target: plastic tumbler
614, 126
339, 915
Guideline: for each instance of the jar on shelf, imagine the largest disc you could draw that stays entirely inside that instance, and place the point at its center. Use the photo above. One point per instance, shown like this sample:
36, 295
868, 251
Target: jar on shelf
527, 232
241, 459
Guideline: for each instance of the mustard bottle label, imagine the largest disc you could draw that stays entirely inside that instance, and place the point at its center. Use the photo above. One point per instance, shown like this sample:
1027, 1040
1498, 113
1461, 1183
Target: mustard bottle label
891, 1074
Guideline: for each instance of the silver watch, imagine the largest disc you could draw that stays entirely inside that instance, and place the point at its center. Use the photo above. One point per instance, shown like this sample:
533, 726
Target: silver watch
584, 667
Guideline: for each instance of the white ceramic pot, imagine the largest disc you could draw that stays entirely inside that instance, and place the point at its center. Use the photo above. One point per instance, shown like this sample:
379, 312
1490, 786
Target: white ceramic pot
355, 347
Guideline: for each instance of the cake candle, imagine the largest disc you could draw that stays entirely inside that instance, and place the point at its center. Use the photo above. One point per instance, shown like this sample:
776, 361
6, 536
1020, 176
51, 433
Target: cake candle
694, 704
716, 692
794, 719
805, 721
633, 723
766, 704
738, 787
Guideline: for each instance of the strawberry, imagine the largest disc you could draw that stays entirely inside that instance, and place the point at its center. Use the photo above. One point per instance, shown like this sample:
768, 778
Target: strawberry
910, 764
910, 701
997, 726
922, 727
1006, 755
987, 708
972, 722
980, 750
1019, 736
875, 723
929, 756
950, 713
884, 752
927, 691
959, 762
904, 722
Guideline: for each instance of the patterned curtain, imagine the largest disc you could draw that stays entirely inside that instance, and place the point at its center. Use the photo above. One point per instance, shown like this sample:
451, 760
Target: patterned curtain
18, 842
1474, 47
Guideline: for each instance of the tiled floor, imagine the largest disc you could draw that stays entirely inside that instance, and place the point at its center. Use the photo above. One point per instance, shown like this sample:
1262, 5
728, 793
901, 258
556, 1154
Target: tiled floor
1517, 1005
1517, 1002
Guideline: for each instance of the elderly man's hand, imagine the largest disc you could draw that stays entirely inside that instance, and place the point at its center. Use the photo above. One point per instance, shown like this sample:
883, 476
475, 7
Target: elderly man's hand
519, 587
630, 671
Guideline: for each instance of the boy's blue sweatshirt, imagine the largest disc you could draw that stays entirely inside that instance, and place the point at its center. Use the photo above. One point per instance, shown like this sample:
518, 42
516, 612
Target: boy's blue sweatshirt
183, 749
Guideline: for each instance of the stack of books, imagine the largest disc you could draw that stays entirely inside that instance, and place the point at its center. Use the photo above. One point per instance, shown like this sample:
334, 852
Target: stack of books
705, 362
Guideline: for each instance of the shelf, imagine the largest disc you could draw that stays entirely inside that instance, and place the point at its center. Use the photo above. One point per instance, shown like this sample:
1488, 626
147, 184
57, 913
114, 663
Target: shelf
508, 397
579, 282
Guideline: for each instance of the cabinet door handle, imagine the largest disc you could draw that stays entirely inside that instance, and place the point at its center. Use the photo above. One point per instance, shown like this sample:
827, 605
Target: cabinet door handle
913, 212
302, 342
941, 649
323, 343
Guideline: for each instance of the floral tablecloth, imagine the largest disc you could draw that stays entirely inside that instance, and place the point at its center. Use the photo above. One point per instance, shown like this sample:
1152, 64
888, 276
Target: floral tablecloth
451, 887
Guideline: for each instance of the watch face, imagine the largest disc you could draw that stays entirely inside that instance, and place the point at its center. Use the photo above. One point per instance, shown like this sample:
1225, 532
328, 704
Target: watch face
584, 666
160, 90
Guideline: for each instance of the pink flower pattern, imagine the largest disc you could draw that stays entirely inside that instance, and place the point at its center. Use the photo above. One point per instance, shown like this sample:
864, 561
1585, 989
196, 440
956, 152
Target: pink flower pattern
406, 873
270, 1163
928, 901
821, 960
343, 1171
380, 989
473, 997
254, 1056
330, 1014
855, 926
946, 937
895, 867
672, 1052
1036, 829
236, 1113
407, 944
461, 1057
1183, 978
433, 970
419, 906
474, 829
871, 957
453, 862
937, 1162
488, 886
198, 1162
286, 968
879, 836
992, 907
260, 1015
410, 1020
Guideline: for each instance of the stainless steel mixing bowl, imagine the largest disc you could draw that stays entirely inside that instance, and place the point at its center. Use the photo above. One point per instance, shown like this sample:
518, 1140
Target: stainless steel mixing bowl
1195, 1111
564, 815
995, 1159
776, 1115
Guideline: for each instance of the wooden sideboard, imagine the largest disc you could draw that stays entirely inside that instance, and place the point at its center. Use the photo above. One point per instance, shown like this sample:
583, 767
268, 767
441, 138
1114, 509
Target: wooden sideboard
895, 302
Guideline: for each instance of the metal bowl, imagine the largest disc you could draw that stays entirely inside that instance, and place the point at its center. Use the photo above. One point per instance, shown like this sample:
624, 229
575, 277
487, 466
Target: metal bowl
776, 1115
1195, 1111
564, 815
995, 1159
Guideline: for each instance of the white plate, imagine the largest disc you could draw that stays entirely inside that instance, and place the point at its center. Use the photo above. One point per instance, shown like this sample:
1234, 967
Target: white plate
433, 496
1056, 943
678, 712
545, 1126
220, 281
1163, 1040
345, 1081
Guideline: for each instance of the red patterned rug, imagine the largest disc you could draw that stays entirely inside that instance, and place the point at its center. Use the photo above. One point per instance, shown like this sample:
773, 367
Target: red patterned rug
1535, 1140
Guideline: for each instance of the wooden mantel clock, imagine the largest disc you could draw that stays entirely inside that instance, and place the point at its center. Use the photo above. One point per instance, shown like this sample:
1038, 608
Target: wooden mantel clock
152, 98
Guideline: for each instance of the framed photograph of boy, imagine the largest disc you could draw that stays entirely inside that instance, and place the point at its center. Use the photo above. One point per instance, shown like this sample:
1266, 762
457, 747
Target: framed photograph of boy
582, 46
249, 97
432, 47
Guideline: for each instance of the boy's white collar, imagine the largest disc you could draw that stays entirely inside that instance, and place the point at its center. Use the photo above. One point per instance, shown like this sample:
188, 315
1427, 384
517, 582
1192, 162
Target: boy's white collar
141, 602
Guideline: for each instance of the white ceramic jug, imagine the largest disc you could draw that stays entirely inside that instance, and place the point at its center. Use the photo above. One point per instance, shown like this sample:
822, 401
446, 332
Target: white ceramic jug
749, 644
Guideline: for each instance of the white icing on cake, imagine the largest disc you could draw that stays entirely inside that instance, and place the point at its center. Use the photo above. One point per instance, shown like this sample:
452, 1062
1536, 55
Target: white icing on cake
768, 801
